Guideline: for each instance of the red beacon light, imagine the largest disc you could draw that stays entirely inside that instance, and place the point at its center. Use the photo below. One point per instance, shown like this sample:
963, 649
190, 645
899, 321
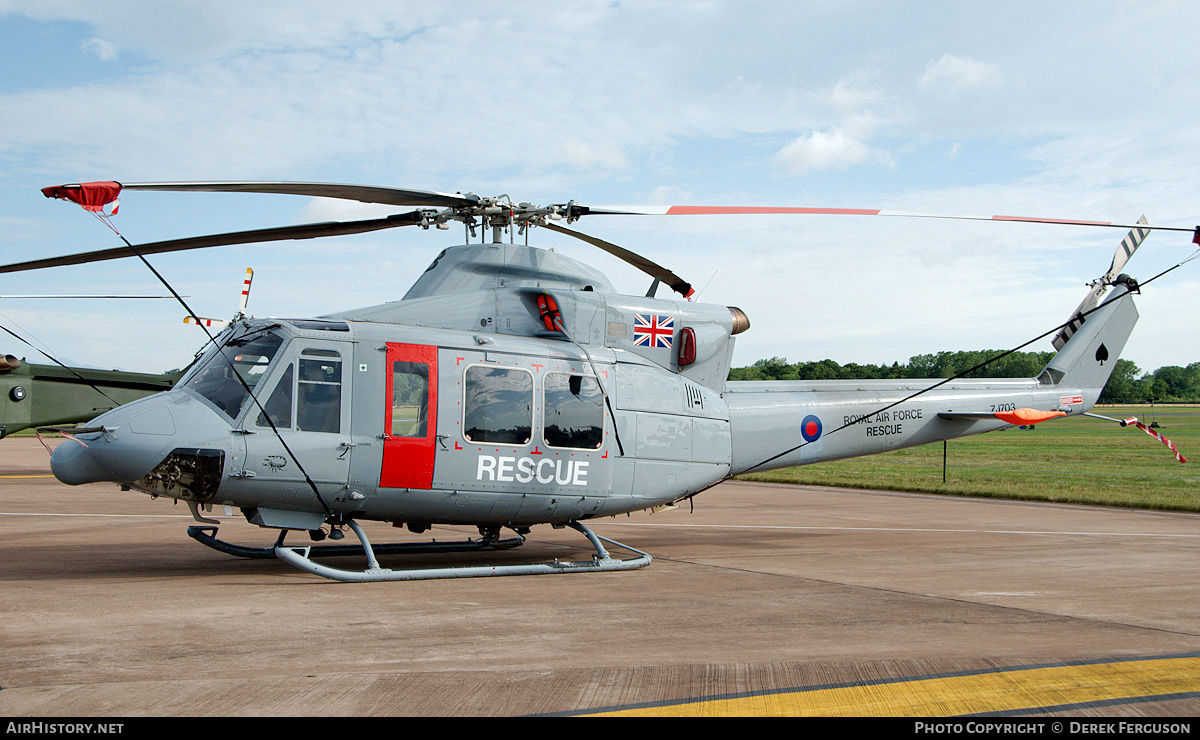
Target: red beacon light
687, 347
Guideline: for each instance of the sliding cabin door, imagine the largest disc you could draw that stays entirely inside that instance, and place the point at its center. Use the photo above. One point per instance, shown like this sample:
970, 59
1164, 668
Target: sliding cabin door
410, 416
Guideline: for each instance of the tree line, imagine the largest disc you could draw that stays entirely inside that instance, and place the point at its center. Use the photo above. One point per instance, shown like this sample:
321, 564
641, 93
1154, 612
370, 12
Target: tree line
1128, 383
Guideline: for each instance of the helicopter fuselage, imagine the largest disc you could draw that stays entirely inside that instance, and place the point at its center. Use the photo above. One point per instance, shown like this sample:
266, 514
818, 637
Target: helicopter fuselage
513, 387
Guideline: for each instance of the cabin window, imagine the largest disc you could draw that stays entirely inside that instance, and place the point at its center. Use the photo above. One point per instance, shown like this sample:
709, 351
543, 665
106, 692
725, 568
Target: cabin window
217, 380
410, 399
573, 412
319, 392
497, 405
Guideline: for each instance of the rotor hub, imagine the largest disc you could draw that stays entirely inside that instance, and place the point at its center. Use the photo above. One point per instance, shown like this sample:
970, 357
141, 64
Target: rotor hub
499, 212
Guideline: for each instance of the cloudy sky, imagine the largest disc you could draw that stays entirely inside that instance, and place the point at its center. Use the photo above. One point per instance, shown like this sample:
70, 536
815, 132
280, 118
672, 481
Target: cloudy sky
1086, 110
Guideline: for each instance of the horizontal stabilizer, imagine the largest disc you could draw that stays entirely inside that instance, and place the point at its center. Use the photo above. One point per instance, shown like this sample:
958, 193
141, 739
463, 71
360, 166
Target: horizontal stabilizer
1016, 416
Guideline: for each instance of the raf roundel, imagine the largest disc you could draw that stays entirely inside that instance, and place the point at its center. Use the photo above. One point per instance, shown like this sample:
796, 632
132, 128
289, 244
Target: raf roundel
810, 428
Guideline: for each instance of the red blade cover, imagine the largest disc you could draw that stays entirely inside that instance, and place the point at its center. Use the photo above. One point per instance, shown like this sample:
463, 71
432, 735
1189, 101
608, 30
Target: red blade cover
91, 195
1027, 416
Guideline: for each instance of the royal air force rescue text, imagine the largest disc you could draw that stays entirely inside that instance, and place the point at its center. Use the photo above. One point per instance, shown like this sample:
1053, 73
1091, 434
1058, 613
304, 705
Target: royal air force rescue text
885, 422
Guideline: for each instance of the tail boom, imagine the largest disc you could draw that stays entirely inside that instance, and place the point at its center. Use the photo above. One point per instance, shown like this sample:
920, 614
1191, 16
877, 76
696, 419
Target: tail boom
786, 423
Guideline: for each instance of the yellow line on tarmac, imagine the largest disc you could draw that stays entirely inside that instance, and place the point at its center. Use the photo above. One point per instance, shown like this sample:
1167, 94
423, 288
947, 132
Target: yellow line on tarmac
26, 476
1005, 690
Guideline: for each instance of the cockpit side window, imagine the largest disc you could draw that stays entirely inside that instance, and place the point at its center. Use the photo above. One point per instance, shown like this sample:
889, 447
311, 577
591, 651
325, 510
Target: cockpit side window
218, 381
279, 405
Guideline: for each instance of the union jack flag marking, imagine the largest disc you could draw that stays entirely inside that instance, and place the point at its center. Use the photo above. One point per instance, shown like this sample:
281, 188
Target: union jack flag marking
650, 330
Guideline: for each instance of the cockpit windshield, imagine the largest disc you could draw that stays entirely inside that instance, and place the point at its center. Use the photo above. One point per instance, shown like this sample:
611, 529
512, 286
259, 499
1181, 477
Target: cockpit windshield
217, 380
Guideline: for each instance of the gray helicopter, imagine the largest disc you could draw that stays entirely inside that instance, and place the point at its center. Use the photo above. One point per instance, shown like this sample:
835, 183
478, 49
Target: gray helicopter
510, 387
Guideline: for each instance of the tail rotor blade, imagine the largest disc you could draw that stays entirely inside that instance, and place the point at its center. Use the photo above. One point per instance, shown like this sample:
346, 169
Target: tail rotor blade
1078, 317
1125, 250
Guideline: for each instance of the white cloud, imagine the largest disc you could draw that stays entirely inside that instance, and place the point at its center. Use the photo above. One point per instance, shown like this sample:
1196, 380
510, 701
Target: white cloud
952, 75
833, 149
669, 195
105, 50
856, 92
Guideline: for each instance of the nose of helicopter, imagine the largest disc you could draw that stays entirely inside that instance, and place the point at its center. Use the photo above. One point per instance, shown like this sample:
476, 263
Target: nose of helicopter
74, 463
134, 438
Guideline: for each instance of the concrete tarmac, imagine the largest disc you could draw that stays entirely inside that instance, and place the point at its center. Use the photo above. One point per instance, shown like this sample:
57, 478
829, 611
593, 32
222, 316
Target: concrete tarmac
763, 599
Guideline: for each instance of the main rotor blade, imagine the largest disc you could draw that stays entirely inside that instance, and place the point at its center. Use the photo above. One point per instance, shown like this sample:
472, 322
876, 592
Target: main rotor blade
44, 295
579, 210
654, 270
306, 231
361, 193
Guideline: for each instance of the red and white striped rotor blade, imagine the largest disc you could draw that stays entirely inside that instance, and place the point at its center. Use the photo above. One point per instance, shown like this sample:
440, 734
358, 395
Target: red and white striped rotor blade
198, 321
246, 290
809, 211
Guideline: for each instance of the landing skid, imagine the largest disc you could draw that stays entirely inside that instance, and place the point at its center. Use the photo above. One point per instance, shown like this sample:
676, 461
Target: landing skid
600, 562
207, 536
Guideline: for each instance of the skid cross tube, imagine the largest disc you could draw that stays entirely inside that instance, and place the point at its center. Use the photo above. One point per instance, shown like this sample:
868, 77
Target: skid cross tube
600, 562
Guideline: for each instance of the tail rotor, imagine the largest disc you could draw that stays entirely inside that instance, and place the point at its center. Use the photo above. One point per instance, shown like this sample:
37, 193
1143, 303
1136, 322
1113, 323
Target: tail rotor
1125, 250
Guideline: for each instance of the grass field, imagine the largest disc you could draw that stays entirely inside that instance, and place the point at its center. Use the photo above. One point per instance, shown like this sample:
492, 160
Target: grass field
1075, 460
